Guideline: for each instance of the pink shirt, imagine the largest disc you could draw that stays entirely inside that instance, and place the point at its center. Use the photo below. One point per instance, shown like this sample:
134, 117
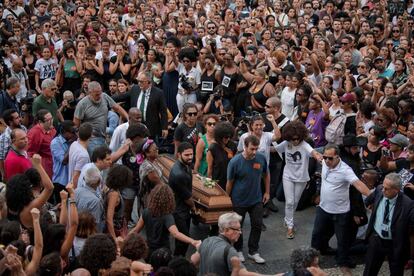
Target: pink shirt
15, 163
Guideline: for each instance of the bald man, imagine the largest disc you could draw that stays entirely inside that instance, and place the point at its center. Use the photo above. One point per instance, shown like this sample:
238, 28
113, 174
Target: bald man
20, 73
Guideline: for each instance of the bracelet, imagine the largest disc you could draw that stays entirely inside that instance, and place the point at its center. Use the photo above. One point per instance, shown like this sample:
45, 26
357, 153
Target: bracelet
72, 201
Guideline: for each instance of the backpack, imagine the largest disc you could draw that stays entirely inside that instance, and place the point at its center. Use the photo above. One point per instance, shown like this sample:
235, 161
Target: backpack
335, 131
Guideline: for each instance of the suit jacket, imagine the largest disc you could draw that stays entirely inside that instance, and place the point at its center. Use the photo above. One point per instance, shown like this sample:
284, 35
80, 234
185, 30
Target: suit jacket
402, 223
156, 113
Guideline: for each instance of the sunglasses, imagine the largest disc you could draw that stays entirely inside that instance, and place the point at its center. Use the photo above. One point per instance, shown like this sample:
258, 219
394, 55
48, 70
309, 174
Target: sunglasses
361, 66
395, 31
211, 124
211, 28
330, 158
192, 113
268, 106
337, 69
277, 33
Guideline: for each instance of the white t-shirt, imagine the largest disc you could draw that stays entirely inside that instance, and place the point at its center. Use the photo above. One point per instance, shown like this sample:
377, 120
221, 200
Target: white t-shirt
335, 188
297, 160
46, 68
78, 157
264, 147
288, 101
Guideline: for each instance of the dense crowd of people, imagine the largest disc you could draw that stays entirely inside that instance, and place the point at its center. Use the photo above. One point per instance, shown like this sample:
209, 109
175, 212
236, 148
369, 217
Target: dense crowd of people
304, 102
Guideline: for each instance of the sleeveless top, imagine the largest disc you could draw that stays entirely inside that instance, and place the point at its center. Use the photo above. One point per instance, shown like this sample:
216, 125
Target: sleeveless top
70, 69
118, 212
260, 97
203, 163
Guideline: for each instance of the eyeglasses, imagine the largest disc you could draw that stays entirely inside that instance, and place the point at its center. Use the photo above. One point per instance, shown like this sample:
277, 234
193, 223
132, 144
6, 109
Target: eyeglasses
211, 124
330, 158
235, 229
192, 113
361, 66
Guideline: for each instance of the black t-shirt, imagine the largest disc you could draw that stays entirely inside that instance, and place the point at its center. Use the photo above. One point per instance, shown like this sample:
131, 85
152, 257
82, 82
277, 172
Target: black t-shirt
156, 229
371, 157
118, 74
184, 133
181, 182
130, 160
221, 160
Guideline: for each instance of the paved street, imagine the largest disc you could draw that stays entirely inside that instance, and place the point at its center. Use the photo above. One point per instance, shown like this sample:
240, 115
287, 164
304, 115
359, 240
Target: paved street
275, 248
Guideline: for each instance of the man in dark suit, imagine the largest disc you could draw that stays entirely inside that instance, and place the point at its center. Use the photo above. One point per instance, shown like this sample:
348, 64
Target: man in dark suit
391, 227
151, 101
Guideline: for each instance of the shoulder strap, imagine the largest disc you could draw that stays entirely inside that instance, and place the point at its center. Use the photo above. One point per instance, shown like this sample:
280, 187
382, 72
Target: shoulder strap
283, 122
12, 12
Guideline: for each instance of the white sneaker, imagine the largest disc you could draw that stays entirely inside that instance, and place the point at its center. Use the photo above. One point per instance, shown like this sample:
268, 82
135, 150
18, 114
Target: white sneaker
257, 258
241, 256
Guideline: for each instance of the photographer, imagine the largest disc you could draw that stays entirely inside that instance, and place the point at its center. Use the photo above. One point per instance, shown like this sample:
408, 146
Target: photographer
189, 78
214, 104
68, 105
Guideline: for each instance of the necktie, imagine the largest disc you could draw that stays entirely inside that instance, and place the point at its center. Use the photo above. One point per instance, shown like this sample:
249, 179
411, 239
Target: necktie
386, 212
142, 104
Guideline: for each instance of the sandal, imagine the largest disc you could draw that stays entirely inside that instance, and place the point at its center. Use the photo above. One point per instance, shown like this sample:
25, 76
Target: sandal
290, 234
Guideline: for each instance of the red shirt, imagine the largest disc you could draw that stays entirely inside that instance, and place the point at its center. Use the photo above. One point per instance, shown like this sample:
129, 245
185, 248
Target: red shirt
15, 163
39, 142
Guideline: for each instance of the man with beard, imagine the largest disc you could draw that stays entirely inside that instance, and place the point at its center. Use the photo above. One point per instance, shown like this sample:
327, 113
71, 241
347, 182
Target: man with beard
379, 64
181, 181
212, 37
94, 109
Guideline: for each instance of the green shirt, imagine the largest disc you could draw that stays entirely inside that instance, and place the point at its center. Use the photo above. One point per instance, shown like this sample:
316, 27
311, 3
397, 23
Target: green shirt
70, 69
41, 103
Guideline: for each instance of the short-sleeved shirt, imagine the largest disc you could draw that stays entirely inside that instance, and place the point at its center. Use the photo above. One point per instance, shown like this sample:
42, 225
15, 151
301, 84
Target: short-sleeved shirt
184, 133
247, 176
78, 157
297, 160
16, 163
335, 188
41, 103
46, 68
212, 256
118, 74
317, 124
95, 113
221, 159
156, 229
264, 146
181, 182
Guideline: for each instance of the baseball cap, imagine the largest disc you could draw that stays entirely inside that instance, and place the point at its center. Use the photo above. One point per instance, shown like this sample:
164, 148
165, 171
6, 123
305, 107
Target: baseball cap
378, 59
348, 98
399, 140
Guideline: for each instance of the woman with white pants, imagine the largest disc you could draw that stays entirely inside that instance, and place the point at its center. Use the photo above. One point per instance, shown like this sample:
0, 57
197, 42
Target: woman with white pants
295, 174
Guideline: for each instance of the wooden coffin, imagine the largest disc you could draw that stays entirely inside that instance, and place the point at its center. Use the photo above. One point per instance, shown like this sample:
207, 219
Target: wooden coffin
210, 202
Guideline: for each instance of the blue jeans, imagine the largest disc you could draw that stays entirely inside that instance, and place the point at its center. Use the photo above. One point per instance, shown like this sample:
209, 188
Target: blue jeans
325, 225
95, 142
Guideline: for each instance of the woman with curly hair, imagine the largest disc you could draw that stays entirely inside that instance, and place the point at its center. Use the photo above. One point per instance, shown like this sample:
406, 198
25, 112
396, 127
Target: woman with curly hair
119, 177
387, 118
159, 221
98, 253
295, 174
19, 195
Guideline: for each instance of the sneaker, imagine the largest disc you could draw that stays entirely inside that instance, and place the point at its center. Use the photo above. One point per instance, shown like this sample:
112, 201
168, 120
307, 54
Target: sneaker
290, 234
241, 256
257, 258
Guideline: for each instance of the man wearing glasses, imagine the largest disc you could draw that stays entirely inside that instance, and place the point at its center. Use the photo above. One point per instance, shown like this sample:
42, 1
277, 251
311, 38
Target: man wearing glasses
216, 255
333, 212
47, 101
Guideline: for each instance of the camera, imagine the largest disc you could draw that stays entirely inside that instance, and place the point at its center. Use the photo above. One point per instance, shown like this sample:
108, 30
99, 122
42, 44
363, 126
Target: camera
185, 84
28, 102
72, 103
243, 125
